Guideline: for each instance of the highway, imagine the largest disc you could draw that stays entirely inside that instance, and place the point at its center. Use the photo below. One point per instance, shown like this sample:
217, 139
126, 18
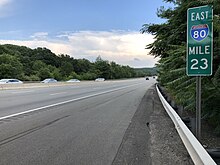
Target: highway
82, 123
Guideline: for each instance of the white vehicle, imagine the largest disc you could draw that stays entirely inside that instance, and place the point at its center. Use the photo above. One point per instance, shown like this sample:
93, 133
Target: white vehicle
73, 81
10, 81
49, 80
100, 79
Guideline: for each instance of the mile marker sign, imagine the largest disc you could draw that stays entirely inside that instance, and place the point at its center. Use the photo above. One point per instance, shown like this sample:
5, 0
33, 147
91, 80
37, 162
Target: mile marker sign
199, 41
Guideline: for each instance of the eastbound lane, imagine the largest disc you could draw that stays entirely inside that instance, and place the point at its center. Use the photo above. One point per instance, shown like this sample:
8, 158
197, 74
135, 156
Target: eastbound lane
84, 131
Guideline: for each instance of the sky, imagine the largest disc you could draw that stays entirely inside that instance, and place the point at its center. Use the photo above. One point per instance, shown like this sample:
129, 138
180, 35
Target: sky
83, 28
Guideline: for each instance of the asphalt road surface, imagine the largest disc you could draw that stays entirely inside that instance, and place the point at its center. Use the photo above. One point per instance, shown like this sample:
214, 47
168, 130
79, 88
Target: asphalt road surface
83, 123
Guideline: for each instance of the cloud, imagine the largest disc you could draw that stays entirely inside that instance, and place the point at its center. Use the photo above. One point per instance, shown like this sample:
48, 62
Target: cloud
4, 2
56, 47
136, 59
119, 46
39, 36
123, 47
5, 8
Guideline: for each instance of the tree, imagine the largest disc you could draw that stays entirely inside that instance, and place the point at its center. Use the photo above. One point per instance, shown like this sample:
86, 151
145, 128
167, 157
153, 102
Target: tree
44, 73
42, 70
82, 66
10, 67
170, 46
104, 68
45, 55
66, 68
37, 64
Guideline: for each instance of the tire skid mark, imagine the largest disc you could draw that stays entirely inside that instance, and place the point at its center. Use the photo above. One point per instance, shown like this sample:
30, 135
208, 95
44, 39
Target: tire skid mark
29, 131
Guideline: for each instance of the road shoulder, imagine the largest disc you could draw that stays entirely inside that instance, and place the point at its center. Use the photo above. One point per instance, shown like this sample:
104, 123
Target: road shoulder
151, 137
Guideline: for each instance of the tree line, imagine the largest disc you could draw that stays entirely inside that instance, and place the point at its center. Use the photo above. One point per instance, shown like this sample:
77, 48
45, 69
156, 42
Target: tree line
170, 46
37, 64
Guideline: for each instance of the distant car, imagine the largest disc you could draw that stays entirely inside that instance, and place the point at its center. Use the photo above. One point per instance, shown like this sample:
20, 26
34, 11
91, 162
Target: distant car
73, 81
49, 80
10, 81
147, 78
100, 79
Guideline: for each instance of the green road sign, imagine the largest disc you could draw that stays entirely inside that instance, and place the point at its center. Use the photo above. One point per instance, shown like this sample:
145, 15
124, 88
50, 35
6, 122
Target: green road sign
199, 41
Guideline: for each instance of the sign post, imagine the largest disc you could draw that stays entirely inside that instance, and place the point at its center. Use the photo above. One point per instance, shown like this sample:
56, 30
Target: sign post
199, 50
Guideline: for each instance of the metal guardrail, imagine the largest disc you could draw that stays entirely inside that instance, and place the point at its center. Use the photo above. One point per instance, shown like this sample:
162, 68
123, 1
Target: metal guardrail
196, 151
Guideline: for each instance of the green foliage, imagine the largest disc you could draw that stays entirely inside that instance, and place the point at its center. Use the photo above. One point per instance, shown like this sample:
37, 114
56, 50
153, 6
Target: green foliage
10, 66
88, 76
146, 71
170, 46
46, 56
55, 73
82, 66
74, 75
104, 68
44, 73
37, 64
30, 78
66, 68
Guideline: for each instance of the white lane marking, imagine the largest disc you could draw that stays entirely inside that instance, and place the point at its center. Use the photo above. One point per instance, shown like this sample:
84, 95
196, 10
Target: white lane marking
58, 93
67, 101
74, 87
97, 88
23, 91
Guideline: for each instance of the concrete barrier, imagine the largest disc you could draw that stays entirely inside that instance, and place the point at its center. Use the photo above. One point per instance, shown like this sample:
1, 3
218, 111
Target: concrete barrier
32, 85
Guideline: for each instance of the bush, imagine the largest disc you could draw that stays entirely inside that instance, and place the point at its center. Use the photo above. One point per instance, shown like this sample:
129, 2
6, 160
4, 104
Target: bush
74, 75
88, 76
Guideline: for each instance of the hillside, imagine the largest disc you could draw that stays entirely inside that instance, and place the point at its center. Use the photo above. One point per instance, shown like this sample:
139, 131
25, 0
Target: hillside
147, 71
37, 64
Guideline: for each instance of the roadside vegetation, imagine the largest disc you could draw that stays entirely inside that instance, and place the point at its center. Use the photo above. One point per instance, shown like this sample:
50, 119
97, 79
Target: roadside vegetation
170, 45
37, 64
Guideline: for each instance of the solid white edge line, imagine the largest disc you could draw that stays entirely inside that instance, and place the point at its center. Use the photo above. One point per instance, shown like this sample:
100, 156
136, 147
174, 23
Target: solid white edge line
65, 102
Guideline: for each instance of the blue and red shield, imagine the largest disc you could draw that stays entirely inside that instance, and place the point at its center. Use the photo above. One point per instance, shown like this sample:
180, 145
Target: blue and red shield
199, 32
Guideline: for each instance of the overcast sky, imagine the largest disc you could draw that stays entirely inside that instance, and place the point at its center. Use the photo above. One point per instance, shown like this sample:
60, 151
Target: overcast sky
82, 28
